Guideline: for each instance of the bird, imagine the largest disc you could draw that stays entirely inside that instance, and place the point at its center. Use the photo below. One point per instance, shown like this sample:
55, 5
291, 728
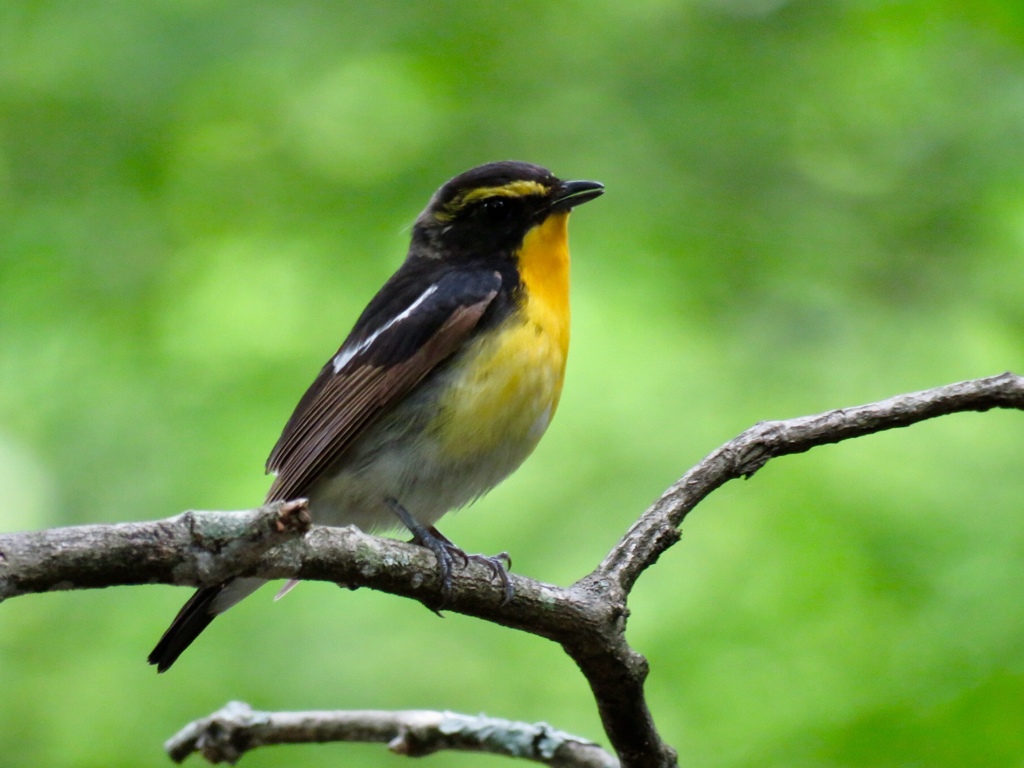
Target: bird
445, 384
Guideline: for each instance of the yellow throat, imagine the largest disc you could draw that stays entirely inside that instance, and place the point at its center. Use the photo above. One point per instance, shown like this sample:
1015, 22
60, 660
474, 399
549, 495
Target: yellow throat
544, 270
513, 378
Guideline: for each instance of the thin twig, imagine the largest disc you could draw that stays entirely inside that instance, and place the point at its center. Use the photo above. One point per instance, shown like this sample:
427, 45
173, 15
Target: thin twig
658, 528
233, 730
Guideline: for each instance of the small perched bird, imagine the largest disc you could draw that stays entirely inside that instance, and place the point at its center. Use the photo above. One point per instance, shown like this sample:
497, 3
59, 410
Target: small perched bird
445, 384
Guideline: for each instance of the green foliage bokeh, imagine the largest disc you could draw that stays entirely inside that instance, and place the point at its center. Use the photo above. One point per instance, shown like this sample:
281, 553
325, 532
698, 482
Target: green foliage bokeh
810, 205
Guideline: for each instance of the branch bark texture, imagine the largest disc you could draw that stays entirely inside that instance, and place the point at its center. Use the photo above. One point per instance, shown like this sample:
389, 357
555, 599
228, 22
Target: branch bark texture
235, 729
588, 618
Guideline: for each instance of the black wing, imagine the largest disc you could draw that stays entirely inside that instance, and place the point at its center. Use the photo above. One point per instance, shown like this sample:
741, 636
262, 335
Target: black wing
409, 328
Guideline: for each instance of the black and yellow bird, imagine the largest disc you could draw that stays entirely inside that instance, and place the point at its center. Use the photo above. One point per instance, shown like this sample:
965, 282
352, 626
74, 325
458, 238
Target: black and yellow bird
445, 384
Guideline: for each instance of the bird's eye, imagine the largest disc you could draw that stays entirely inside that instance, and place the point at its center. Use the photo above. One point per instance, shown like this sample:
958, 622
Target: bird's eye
493, 209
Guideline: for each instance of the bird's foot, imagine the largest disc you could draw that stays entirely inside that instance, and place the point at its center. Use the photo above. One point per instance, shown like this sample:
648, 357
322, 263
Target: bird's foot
448, 552
443, 549
498, 565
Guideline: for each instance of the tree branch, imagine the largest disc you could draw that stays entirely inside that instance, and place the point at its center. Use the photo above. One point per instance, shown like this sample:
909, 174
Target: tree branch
588, 619
194, 548
658, 528
235, 729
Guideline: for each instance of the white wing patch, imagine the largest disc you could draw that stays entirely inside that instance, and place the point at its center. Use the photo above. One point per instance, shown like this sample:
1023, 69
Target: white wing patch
345, 355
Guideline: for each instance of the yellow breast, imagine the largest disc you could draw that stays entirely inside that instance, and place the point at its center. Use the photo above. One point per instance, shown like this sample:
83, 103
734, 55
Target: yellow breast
511, 381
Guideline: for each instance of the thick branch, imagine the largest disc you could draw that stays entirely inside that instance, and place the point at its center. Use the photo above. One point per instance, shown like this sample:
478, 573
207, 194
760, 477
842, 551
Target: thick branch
194, 548
203, 548
233, 730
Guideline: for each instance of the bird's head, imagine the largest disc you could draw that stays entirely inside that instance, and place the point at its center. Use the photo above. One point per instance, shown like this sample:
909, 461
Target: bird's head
489, 209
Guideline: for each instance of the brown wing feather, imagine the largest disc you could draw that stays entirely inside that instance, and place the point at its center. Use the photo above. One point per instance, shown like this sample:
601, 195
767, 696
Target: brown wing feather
346, 403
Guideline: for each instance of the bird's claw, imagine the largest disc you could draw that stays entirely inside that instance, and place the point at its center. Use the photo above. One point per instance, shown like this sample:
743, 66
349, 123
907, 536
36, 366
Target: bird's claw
446, 553
498, 565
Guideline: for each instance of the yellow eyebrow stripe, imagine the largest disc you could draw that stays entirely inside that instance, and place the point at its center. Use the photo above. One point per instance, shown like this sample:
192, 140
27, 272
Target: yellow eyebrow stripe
512, 189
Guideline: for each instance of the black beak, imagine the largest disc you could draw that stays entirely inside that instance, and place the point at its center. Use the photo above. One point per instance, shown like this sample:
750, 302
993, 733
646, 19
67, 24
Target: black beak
572, 193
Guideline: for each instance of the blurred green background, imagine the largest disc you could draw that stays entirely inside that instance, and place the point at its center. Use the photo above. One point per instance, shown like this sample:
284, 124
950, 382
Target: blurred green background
810, 205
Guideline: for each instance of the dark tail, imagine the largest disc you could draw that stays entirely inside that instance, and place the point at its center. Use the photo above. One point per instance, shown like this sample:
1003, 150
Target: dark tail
192, 619
196, 615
